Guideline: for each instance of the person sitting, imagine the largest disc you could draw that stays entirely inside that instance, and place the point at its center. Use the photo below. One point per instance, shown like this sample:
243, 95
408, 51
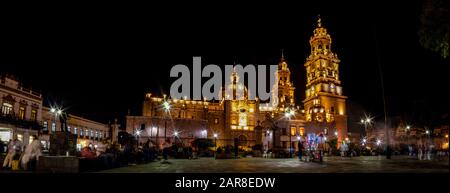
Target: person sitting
87, 153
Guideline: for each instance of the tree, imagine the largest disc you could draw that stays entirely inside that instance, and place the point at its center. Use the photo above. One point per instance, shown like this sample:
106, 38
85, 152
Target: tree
434, 27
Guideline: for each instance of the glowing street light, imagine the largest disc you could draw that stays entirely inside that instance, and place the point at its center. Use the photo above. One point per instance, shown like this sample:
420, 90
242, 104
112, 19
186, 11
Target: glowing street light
175, 133
166, 106
408, 127
427, 132
287, 115
52, 110
215, 135
336, 133
378, 142
298, 138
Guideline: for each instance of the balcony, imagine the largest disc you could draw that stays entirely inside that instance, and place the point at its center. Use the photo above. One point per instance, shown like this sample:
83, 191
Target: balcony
22, 123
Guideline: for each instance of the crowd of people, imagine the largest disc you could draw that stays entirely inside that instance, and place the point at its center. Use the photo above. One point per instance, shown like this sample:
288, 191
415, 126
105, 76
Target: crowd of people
19, 156
427, 152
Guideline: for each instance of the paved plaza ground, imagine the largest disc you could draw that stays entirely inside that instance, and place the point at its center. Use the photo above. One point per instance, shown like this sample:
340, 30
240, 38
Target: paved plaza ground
369, 164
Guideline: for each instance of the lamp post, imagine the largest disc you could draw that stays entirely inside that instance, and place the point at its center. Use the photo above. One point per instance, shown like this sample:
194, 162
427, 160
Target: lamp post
215, 145
166, 107
57, 113
288, 115
175, 134
137, 134
366, 121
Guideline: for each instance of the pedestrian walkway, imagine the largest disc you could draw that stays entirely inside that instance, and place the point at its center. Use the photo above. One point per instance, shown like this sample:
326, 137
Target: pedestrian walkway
369, 164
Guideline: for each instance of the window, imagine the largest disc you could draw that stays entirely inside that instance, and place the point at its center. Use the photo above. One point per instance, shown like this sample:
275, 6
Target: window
96, 134
243, 119
86, 133
68, 129
293, 131
332, 109
7, 109
100, 135
81, 132
30, 139
302, 131
75, 130
283, 131
22, 113
216, 121
20, 137
92, 133
45, 126
33, 114
53, 127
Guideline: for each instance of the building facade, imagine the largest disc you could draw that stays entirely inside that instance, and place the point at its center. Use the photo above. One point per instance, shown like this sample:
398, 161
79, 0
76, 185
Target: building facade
253, 122
21, 110
88, 132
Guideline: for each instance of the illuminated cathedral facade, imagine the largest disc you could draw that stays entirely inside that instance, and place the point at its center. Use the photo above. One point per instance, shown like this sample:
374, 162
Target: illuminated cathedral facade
251, 122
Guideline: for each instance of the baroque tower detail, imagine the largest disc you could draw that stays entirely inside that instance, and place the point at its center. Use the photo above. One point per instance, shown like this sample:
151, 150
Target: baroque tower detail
325, 104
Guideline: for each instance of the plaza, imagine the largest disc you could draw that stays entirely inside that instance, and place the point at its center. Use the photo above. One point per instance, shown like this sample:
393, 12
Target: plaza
363, 164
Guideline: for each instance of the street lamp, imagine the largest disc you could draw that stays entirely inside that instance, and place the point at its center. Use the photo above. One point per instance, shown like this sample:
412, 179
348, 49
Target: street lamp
166, 107
215, 144
288, 114
366, 121
138, 134
57, 113
378, 142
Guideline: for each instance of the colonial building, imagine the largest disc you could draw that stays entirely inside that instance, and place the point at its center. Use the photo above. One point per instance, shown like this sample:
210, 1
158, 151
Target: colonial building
88, 132
21, 110
253, 122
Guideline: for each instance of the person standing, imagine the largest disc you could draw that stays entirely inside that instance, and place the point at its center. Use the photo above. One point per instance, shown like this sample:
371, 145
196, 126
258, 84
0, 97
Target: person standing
300, 150
31, 154
14, 148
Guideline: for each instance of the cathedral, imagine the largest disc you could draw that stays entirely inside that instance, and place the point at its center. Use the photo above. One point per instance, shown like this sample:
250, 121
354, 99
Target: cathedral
251, 122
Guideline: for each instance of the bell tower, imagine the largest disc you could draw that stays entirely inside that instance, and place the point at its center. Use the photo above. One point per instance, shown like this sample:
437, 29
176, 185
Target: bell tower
286, 89
325, 109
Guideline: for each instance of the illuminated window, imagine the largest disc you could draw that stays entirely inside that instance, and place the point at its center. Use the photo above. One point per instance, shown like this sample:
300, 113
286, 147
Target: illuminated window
45, 126
75, 130
293, 131
243, 119
53, 127
81, 132
68, 129
21, 112
20, 137
7, 109
302, 131
216, 121
30, 139
33, 114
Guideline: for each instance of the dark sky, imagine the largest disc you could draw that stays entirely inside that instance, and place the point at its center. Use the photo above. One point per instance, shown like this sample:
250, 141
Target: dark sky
99, 62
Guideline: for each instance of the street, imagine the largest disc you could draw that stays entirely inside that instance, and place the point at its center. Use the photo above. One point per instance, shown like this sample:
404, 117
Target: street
364, 164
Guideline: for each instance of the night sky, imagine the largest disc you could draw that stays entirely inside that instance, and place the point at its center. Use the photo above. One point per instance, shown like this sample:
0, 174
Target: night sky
98, 62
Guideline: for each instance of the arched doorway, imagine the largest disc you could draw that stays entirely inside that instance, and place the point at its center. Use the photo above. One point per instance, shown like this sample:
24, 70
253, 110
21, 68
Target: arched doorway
242, 140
